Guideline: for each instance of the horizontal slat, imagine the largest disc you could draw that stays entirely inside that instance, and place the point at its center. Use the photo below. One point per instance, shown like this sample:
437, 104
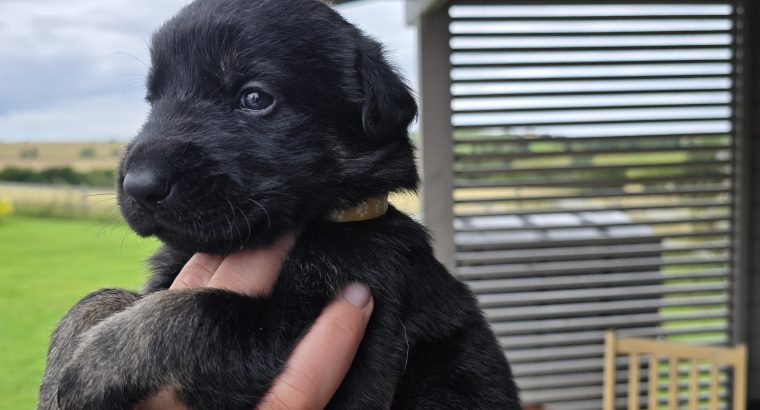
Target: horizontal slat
609, 193
620, 77
580, 252
574, 151
595, 33
462, 95
643, 139
610, 63
555, 353
576, 295
569, 267
484, 227
622, 47
588, 281
600, 168
593, 308
587, 107
597, 336
602, 322
632, 122
696, 204
559, 367
583, 182
642, 17
488, 104
490, 243
461, 8
564, 58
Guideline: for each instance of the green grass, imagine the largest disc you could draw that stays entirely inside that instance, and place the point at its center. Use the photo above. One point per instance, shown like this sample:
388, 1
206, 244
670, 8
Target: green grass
46, 266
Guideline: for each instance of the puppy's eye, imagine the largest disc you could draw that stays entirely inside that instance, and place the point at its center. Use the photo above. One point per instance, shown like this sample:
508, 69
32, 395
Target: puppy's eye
256, 100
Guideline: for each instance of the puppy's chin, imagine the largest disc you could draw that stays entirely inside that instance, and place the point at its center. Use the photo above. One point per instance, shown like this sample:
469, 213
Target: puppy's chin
219, 238
219, 245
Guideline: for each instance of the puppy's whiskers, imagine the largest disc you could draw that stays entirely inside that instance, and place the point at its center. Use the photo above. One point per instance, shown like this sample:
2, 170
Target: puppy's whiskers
231, 238
234, 223
269, 220
248, 224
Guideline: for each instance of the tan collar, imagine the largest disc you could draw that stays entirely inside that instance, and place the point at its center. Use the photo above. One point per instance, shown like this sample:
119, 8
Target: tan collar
365, 210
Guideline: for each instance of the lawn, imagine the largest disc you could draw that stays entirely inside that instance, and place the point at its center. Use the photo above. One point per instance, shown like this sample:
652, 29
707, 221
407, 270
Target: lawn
46, 265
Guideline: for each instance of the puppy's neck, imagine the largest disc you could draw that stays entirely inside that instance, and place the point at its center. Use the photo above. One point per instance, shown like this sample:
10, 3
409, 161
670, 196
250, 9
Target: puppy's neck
365, 210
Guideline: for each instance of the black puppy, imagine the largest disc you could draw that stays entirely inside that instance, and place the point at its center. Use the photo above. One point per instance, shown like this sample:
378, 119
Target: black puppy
270, 116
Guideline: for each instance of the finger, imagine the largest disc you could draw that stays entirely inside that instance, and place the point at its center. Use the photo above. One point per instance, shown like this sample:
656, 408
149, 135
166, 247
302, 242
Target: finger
197, 271
321, 360
252, 272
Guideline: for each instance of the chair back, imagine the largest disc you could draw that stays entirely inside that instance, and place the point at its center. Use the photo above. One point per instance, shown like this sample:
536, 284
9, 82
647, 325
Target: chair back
666, 357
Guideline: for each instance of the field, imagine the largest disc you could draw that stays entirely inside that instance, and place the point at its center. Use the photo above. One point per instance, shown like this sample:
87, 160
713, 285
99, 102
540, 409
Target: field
61, 201
47, 265
81, 156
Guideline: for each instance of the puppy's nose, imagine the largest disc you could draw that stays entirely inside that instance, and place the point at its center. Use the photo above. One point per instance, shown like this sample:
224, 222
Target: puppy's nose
147, 187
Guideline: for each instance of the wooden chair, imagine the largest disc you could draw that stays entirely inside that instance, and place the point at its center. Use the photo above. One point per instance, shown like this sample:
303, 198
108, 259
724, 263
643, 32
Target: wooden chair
674, 352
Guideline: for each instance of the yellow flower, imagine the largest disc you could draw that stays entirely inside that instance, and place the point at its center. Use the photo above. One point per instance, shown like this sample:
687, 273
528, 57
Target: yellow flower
6, 207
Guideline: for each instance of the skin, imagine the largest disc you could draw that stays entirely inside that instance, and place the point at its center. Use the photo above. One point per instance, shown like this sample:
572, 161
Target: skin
318, 364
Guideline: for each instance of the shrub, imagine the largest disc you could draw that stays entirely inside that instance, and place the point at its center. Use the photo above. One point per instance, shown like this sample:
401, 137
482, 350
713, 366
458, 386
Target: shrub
60, 176
30, 153
87, 153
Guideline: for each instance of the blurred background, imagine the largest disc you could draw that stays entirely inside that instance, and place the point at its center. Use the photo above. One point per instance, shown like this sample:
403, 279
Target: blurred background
586, 165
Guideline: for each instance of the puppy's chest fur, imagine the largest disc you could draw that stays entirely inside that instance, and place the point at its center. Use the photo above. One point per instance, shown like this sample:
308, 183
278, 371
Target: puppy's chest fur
416, 300
413, 292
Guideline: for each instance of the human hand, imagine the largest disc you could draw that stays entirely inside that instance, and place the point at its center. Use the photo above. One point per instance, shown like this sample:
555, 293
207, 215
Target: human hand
320, 361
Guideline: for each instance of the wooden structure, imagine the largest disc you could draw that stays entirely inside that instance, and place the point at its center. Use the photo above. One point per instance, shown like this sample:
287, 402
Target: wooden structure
639, 350
587, 164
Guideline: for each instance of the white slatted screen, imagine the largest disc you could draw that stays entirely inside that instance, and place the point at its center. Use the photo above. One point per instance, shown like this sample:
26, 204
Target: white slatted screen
593, 179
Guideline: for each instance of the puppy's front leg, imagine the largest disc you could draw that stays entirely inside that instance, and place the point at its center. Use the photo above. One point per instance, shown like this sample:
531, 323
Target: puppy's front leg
88, 312
206, 344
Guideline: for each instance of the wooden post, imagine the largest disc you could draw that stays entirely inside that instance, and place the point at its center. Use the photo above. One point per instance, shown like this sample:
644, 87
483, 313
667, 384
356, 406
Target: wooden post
693, 384
633, 382
714, 386
740, 377
436, 132
673, 383
654, 382
610, 352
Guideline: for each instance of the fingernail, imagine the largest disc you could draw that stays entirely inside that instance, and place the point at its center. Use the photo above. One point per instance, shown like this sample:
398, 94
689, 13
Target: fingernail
357, 295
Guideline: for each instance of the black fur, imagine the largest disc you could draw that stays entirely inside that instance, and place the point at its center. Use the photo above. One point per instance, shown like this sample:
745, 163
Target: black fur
336, 135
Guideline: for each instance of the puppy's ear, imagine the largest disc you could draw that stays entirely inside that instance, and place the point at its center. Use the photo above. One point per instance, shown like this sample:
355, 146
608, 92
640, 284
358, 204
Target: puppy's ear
388, 105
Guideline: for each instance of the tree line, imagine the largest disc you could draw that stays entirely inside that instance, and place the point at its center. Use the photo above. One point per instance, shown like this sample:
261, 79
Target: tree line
60, 176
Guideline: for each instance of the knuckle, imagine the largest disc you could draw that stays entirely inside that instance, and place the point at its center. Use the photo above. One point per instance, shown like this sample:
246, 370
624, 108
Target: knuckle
342, 323
287, 396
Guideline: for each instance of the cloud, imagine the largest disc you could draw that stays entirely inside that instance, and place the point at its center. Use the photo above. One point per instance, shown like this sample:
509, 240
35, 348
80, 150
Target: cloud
76, 69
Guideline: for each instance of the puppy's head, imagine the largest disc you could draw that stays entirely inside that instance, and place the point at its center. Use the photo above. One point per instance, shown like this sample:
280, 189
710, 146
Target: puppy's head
265, 114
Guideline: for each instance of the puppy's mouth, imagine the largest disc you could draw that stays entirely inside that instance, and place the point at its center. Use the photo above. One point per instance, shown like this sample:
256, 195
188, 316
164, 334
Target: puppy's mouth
220, 231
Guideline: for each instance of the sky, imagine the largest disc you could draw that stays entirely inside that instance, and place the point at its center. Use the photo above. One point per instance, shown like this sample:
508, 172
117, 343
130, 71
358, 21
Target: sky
75, 70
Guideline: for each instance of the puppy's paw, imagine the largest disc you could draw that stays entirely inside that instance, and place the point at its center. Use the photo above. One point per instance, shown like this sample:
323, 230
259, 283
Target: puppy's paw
85, 386
203, 342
